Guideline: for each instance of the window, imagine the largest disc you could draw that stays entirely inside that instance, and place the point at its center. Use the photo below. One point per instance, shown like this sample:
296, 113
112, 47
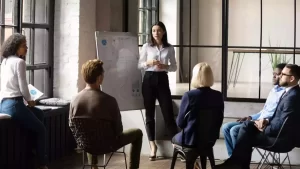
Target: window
241, 40
196, 32
8, 19
37, 24
259, 37
148, 15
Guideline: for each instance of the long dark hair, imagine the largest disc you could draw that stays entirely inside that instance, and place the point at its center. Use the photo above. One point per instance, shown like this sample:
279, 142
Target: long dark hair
164, 39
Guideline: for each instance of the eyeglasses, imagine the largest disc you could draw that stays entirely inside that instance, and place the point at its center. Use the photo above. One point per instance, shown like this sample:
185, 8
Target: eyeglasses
276, 74
283, 74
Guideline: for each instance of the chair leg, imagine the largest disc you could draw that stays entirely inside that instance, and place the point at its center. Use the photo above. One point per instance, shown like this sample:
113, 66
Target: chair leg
190, 162
211, 158
203, 159
174, 158
83, 160
264, 160
190, 159
288, 157
260, 163
125, 158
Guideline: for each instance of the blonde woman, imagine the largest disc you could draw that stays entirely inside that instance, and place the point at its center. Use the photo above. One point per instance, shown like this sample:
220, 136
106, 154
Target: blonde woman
193, 101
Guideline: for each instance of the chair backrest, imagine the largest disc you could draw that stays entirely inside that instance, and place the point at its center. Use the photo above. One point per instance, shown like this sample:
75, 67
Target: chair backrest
209, 121
279, 133
95, 136
284, 129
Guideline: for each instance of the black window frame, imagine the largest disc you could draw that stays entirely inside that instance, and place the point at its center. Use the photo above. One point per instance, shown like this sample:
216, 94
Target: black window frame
48, 26
148, 12
224, 47
225, 31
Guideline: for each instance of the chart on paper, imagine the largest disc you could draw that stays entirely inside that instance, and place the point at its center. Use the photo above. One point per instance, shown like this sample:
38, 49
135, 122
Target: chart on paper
122, 79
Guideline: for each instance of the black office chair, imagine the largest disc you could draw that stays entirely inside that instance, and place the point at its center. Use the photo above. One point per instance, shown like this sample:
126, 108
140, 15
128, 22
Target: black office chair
209, 122
94, 140
274, 152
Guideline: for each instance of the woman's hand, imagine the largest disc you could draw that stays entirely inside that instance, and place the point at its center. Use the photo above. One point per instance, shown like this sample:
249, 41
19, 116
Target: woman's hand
152, 62
31, 103
163, 66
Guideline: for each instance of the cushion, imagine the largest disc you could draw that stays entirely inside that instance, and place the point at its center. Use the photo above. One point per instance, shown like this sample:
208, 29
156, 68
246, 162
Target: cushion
54, 102
4, 116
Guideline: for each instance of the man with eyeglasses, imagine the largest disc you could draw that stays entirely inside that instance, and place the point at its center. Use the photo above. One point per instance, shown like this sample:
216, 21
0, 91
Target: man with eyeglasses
263, 132
231, 129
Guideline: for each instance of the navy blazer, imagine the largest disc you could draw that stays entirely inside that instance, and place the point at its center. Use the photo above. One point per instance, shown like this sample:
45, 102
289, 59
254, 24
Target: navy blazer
288, 106
193, 101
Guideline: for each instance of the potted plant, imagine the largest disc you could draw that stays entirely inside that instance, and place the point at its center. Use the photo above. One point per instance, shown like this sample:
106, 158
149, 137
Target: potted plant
276, 58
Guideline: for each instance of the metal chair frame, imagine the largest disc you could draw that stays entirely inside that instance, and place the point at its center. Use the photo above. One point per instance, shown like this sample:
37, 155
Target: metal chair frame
105, 163
275, 156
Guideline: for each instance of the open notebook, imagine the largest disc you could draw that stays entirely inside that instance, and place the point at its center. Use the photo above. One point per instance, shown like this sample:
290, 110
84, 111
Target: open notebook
34, 92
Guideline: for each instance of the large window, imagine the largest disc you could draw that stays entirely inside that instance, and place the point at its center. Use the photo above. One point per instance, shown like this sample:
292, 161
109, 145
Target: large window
261, 34
148, 15
33, 18
200, 40
8, 19
242, 40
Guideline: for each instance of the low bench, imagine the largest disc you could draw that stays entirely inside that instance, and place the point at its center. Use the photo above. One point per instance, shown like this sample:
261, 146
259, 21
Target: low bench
16, 142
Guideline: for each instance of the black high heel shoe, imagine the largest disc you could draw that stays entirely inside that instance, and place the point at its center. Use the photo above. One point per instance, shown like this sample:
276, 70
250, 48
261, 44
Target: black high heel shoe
153, 158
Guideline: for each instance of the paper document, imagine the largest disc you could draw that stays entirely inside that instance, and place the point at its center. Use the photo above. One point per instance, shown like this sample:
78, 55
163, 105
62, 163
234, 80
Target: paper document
34, 92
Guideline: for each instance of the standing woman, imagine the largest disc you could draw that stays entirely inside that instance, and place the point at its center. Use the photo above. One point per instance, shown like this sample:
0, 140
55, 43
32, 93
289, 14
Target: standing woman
14, 89
154, 59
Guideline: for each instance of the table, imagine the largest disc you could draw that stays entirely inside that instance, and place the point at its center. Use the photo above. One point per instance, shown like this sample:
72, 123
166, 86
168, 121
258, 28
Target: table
238, 58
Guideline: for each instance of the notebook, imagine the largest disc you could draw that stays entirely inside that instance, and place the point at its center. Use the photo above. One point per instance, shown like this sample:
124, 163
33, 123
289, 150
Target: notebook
34, 92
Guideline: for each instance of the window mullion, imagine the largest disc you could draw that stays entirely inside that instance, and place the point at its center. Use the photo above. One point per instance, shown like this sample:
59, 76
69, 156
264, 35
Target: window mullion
31, 77
33, 4
147, 21
2, 12
2, 18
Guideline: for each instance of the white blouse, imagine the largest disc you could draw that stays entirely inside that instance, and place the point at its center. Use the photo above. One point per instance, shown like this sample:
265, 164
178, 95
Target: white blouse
164, 55
13, 78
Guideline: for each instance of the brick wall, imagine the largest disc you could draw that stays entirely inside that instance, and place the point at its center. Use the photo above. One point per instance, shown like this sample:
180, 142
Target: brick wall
74, 38
66, 43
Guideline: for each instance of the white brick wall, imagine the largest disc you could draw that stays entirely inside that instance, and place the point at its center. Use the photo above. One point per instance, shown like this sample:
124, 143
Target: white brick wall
66, 48
74, 39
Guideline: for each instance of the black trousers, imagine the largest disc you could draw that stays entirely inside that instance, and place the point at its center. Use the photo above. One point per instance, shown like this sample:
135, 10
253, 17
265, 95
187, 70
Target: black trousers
156, 86
249, 136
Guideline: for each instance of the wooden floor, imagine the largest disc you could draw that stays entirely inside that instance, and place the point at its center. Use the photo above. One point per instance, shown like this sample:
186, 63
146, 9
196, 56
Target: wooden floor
117, 162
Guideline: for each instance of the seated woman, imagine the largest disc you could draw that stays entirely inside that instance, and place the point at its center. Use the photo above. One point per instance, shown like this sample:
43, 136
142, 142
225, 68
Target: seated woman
193, 101
14, 89
92, 103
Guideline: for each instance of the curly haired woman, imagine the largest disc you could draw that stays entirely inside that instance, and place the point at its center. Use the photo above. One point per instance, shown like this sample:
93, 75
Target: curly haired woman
14, 89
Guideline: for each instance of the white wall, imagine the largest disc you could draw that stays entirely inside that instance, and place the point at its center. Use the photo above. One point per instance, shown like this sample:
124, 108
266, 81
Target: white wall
74, 38
66, 48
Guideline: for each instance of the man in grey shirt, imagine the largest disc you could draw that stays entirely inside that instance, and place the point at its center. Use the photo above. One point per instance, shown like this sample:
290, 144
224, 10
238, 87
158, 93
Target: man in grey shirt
91, 102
